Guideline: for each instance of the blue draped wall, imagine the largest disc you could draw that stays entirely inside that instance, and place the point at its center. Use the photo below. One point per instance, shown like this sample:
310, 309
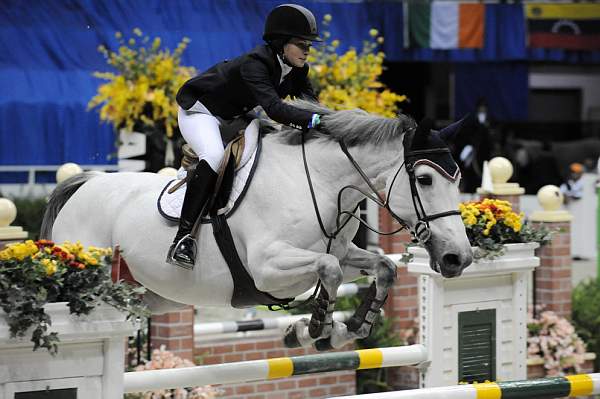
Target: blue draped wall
48, 51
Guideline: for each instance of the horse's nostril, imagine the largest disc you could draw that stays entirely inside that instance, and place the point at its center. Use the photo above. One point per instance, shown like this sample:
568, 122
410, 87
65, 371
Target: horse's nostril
451, 260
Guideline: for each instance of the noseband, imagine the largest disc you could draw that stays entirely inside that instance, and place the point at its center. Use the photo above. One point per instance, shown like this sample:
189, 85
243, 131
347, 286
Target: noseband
422, 231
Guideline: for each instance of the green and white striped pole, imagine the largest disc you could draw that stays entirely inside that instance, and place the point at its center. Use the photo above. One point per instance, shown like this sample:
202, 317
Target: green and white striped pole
555, 387
260, 370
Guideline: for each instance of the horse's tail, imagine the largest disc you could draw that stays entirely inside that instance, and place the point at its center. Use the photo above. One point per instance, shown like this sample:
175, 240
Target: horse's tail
59, 198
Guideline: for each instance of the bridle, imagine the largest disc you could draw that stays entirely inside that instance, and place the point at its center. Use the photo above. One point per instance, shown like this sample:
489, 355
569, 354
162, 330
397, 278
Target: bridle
421, 233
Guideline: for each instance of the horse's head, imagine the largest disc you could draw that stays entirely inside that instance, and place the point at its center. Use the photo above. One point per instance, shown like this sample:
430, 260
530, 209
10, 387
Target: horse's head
427, 197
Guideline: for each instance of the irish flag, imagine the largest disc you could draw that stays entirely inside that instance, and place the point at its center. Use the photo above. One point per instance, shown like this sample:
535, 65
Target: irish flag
444, 24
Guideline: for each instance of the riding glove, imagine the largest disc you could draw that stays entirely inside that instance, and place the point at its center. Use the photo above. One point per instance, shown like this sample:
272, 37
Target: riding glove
317, 123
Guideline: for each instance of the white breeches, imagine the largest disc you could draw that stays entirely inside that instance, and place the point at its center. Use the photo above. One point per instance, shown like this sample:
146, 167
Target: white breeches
201, 131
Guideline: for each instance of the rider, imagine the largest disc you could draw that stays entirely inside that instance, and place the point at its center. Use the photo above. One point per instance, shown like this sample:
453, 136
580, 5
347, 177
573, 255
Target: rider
264, 76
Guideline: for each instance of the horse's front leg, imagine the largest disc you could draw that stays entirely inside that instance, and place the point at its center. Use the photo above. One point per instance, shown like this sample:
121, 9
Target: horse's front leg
384, 270
285, 268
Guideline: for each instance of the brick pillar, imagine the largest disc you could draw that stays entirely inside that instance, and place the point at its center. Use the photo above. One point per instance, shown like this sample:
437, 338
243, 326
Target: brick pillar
9, 234
553, 276
174, 330
402, 302
496, 174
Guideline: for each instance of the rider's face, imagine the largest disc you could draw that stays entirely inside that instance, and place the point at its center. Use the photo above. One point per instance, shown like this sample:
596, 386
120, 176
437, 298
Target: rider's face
296, 51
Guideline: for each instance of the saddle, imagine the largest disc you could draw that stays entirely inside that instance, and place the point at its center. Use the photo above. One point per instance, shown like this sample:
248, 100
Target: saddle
234, 173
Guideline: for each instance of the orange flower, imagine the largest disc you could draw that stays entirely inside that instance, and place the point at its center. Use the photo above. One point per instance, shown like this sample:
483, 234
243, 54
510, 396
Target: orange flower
44, 243
77, 265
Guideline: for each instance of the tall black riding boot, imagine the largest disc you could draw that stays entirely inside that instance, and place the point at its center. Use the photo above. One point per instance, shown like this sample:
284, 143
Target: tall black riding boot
199, 190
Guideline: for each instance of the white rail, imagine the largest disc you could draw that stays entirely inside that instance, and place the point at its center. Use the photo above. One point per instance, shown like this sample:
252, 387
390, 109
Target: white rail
259, 370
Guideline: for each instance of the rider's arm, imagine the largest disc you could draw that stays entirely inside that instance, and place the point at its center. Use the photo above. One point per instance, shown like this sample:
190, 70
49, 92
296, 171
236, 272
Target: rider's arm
256, 75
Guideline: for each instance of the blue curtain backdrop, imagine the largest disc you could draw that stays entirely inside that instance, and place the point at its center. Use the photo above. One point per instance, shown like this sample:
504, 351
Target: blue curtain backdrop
504, 86
48, 51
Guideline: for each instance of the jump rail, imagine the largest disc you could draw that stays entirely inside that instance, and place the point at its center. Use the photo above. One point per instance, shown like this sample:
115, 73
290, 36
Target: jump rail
258, 324
259, 370
554, 387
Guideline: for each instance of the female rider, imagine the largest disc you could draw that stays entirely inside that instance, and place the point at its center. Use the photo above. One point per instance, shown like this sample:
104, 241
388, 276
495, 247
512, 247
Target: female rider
264, 76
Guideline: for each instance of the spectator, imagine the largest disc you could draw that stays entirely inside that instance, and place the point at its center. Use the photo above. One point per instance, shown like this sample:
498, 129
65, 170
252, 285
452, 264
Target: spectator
473, 146
572, 189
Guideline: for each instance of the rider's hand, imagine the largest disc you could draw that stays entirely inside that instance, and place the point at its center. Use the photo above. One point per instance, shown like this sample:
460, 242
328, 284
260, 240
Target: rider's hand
317, 123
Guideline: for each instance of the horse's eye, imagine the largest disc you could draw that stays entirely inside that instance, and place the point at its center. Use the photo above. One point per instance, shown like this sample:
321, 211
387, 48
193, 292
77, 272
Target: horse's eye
425, 180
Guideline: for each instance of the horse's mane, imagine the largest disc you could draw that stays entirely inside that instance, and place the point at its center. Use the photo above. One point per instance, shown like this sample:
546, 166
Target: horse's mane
353, 126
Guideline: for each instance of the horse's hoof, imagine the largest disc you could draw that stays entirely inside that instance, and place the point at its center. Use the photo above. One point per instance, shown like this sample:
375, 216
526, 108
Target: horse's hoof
323, 344
315, 328
290, 340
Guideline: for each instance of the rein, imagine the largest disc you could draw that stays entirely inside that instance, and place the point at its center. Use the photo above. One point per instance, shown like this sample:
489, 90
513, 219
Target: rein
421, 233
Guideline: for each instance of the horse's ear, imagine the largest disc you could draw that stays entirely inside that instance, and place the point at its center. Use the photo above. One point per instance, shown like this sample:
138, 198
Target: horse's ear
449, 132
424, 127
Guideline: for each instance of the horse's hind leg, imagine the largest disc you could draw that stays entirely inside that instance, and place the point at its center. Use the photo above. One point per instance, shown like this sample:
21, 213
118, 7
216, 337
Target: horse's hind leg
286, 267
360, 324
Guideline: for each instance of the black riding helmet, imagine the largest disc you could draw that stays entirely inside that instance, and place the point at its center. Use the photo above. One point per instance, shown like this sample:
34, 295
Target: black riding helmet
291, 20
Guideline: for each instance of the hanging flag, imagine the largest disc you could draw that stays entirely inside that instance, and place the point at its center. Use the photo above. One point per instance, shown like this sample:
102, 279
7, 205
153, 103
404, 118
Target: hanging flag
446, 25
567, 26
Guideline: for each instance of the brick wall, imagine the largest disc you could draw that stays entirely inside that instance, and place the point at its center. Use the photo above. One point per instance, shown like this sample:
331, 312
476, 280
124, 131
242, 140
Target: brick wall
402, 303
553, 277
315, 386
174, 330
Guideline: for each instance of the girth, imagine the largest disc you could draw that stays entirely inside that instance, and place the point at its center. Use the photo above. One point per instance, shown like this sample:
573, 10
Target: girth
245, 293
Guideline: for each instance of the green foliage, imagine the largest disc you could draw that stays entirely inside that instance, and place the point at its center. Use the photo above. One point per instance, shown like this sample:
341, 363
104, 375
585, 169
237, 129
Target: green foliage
586, 317
33, 274
30, 212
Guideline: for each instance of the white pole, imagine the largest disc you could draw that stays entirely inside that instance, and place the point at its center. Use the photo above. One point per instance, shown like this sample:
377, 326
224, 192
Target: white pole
258, 370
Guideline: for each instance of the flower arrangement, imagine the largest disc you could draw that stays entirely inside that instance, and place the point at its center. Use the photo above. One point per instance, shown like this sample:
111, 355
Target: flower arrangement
164, 359
351, 80
142, 92
554, 339
34, 273
491, 223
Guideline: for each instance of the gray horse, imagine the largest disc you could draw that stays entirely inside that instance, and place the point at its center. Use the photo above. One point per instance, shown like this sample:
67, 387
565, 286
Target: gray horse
275, 230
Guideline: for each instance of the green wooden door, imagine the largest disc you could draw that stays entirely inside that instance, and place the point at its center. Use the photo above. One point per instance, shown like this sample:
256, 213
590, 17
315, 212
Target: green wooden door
477, 346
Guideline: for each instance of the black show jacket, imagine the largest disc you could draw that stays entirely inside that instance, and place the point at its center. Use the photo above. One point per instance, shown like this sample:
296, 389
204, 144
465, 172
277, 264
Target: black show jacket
236, 86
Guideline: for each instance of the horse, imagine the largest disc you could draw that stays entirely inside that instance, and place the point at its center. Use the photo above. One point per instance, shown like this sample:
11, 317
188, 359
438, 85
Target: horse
282, 245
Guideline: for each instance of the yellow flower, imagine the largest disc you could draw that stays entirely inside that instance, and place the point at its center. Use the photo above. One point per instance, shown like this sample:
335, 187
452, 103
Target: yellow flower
327, 17
19, 251
146, 76
373, 32
49, 265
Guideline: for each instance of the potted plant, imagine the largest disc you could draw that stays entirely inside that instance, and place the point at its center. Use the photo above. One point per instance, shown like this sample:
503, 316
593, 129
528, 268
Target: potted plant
492, 227
502, 240
164, 359
553, 343
42, 282
351, 80
139, 94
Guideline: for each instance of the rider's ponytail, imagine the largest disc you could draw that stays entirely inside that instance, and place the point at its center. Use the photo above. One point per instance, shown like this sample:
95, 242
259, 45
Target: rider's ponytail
277, 44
